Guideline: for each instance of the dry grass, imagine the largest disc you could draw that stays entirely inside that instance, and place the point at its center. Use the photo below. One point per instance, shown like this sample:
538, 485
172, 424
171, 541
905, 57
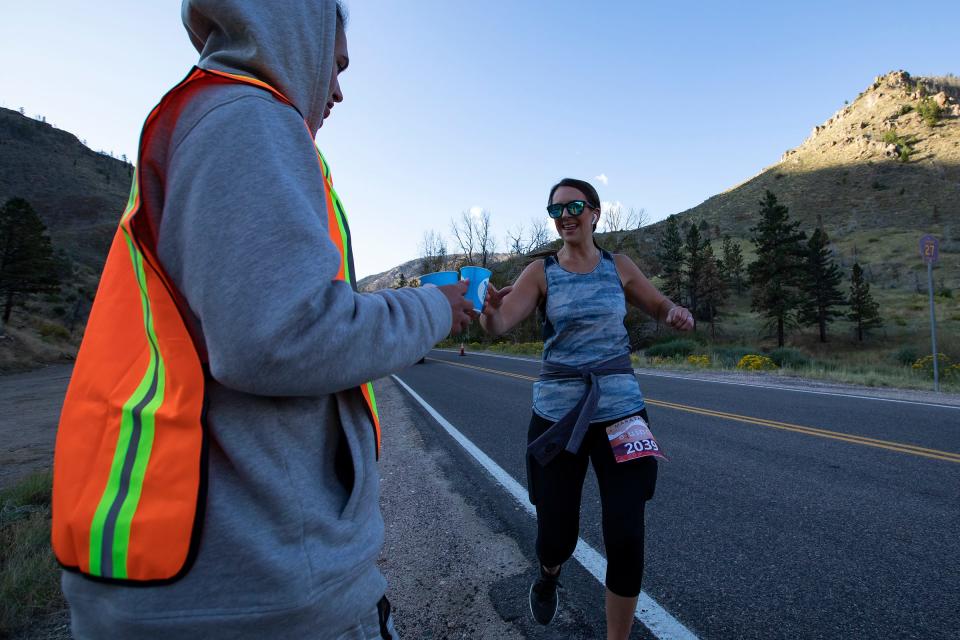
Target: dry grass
29, 575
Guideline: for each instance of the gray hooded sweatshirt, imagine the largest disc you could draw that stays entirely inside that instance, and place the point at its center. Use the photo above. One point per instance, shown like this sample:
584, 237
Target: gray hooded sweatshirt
292, 526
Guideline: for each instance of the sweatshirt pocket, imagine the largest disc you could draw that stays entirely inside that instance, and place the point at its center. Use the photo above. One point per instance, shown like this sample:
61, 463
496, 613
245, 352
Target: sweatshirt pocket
350, 466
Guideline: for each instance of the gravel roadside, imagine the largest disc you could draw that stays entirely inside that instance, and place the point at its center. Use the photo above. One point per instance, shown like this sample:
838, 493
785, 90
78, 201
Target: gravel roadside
441, 559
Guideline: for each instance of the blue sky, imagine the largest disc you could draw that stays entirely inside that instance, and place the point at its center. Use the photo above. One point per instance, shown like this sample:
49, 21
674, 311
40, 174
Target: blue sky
452, 105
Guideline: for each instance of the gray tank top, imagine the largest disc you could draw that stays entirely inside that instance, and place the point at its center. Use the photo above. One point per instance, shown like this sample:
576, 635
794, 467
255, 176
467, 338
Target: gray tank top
583, 324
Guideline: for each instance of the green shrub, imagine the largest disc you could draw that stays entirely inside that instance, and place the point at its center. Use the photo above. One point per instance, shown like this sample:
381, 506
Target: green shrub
903, 143
518, 348
677, 347
905, 109
696, 336
906, 355
53, 331
730, 356
789, 358
930, 111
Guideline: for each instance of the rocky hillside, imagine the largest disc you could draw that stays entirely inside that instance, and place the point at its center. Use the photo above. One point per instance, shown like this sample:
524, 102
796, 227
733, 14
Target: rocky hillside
876, 173
78, 193
413, 269
386, 279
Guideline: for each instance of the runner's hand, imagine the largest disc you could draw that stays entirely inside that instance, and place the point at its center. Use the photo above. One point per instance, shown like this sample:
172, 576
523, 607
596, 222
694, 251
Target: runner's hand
460, 308
680, 319
494, 299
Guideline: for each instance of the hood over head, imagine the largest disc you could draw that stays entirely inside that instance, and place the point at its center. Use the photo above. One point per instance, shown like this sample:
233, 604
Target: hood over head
288, 44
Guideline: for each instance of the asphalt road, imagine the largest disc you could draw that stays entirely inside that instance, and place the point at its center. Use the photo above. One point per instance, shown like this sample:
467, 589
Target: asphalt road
781, 514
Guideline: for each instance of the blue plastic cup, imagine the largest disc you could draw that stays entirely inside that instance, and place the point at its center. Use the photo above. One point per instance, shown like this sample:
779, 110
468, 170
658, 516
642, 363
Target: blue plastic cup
439, 278
477, 291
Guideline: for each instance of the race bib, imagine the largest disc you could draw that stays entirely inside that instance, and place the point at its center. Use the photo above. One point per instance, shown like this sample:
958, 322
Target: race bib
631, 438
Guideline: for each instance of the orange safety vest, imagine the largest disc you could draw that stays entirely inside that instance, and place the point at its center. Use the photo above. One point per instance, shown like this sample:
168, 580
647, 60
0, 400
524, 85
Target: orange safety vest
130, 460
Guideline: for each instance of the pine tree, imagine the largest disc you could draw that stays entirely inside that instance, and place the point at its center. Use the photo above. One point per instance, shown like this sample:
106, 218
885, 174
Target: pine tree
733, 263
704, 229
863, 310
778, 269
821, 286
670, 255
713, 289
27, 263
693, 262
401, 281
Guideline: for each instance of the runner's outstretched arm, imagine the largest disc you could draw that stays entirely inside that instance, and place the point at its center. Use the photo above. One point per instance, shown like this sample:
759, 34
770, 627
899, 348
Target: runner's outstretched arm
506, 308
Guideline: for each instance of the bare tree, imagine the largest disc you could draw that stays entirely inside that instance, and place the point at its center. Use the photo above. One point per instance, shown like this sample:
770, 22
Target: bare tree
539, 234
433, 252
516, 243
637, 218
465, 234
613, 219
486, 242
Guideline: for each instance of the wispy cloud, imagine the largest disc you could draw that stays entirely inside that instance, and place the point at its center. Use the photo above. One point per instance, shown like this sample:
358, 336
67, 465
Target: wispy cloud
602, 178
476, 211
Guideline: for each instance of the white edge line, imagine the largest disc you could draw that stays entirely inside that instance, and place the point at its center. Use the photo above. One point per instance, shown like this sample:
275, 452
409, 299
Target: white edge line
775, 387
652, 615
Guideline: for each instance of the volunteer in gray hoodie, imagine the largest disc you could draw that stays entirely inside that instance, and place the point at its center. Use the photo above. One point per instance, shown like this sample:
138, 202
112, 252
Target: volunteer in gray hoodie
292, 527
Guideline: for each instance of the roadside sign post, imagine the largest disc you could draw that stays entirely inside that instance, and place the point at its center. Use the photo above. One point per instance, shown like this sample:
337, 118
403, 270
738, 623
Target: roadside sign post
930, 252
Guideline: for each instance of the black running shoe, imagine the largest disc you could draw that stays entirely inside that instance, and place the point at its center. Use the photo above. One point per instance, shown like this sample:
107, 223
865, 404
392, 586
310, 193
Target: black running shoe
544, 599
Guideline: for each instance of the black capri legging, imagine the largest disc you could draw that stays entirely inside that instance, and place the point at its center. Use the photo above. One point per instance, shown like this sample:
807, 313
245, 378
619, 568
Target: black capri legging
555, 490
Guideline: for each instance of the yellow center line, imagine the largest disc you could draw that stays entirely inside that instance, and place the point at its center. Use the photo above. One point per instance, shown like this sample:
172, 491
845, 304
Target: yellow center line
775, 424
496, 371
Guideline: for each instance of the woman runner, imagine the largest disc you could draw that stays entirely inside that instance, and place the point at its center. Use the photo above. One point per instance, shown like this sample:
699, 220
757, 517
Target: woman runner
586, 384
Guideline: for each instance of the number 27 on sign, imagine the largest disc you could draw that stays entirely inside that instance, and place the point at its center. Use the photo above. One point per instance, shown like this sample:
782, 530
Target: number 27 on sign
929, 249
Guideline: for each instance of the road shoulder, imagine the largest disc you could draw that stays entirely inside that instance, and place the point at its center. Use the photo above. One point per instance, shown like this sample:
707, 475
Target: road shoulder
441, 559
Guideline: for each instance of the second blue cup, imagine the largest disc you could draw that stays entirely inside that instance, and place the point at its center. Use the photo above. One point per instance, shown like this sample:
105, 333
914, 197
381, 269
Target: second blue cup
477, 291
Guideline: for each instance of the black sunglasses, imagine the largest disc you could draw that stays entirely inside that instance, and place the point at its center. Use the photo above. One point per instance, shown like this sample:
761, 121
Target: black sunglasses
575, 207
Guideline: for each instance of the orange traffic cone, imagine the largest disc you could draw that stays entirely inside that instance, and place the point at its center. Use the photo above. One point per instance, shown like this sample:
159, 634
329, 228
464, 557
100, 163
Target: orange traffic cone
461, 350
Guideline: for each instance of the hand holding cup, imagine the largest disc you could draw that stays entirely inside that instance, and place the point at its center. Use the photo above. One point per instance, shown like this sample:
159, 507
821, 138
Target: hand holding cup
461, 309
